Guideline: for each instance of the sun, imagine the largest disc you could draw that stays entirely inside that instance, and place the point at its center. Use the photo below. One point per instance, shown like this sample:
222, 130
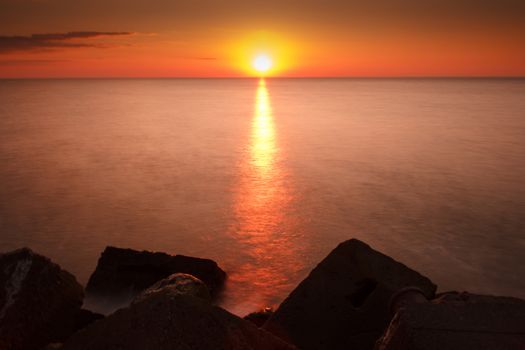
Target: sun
262, 63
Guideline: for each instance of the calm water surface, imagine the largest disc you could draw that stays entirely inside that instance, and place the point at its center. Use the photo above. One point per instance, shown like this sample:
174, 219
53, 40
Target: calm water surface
267, 177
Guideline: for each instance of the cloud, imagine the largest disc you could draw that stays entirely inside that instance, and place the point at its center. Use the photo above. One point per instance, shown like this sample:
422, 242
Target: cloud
26, 62
53, 40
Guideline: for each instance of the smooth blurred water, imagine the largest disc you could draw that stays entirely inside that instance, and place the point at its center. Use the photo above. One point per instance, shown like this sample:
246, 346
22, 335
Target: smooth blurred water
267, 178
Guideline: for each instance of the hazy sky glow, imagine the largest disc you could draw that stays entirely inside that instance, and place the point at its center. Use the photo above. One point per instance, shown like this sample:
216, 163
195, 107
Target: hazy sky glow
205, 38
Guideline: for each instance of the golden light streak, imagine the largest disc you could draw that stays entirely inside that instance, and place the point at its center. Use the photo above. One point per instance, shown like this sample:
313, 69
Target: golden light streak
261, 202
263, 147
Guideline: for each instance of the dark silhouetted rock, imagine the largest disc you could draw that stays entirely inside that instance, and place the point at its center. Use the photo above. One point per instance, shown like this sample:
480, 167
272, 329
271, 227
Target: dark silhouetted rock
458, 321
168, 320
126, 272
408, 295
466, 297
343, 303
180, 283
259, 318
84, 318
39, 302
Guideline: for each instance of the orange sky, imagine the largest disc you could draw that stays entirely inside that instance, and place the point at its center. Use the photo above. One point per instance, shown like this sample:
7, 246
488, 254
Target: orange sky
205, 38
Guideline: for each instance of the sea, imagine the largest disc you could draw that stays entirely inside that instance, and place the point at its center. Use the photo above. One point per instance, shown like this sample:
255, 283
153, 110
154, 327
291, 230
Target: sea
267, 176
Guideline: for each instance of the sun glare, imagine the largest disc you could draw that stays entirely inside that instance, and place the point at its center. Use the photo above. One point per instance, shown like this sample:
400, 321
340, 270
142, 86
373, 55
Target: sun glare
262, 54
262, 63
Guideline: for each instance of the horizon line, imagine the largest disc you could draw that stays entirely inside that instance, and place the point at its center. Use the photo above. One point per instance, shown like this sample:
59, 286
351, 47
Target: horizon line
273, 77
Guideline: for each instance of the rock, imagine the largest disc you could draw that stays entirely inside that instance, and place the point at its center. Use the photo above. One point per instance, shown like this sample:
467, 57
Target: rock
465, 297
84, 318
39, 302
123, 273
168, 320
458, 321
343, 303
259, 318
180, 283
405, 296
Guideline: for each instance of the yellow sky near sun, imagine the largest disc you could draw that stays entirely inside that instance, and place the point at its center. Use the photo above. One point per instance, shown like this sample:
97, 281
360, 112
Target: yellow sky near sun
243, 51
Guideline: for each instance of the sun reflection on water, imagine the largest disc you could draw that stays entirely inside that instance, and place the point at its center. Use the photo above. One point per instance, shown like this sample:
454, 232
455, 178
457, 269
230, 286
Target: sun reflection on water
261, 229
263, 146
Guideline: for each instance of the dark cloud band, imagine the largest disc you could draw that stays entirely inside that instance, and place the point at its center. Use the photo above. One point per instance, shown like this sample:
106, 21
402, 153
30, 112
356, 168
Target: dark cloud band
52, 40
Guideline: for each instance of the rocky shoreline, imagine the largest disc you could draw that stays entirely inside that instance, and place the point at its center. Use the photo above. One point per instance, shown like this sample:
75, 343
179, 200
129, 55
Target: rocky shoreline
355, 298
